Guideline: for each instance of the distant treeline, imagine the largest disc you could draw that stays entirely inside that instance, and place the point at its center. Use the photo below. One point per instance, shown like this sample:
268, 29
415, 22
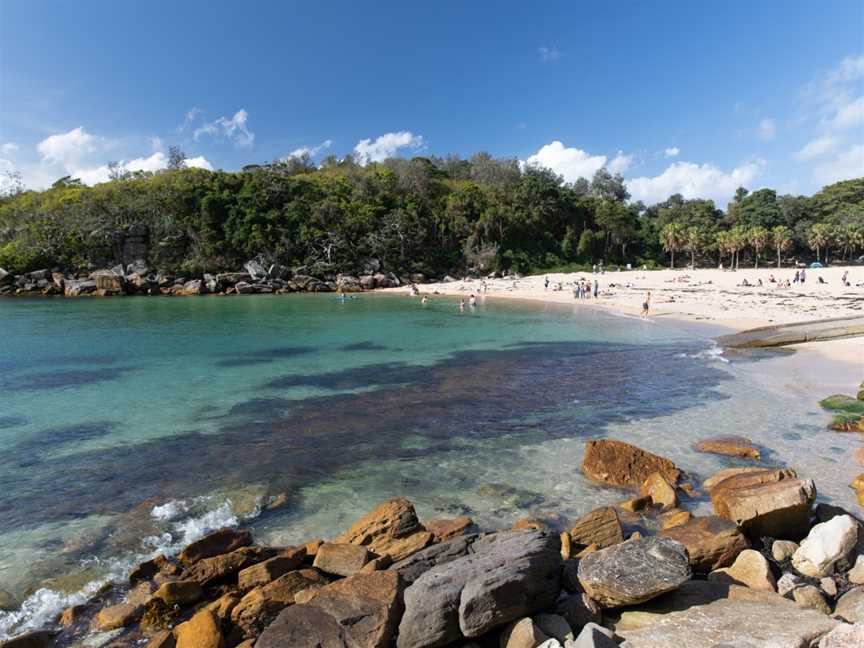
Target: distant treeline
426, 214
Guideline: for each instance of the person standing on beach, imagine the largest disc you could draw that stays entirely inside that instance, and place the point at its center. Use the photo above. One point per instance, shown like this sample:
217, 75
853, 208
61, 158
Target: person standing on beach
646, 304
546, 284
596, 288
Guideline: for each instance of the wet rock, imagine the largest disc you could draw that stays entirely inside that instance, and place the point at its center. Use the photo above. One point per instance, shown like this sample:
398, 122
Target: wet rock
303, 625
261, 605
508, 575
72, 615
777, 509
621, 464
222, 567
7, 601
712, 542
162, 639
743, 624
578, 610
522, 633
444, 529
721, 475
224, 605
636, 504
181, 592
826, 543
201, 631
414, 566
271, 569
844, 636
528, 523
783, 549
731, 446
555, 627
192, 287
35, 639
601, 527
661, 492
341, 559
366, 606
216, 543
392, 529
750, 569
675, 518
149, 568
850, 606
810, 597
117, 616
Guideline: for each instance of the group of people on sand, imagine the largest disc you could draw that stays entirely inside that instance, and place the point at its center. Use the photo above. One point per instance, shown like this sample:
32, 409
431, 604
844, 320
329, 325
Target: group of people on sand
584, 289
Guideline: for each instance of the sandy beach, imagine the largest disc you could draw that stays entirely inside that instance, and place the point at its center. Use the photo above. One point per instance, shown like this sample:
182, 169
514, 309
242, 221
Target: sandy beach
702, 295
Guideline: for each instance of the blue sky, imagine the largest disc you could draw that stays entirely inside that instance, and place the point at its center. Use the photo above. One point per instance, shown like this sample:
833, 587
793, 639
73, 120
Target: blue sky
689, 96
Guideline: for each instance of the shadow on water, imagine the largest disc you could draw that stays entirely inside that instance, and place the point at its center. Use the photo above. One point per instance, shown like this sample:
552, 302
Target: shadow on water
289, 443
264, 356
363, 346
61, 379
28, 452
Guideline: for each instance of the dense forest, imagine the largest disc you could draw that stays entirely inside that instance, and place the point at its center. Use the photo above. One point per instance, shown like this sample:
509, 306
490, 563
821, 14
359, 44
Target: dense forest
428, 215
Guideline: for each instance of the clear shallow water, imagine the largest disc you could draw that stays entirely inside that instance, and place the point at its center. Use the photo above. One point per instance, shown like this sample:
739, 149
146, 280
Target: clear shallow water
134, 425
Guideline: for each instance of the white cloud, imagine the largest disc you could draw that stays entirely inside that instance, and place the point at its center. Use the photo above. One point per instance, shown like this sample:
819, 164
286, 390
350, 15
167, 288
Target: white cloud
189, 118
817, 148
849, 114
155, 162
548, 54
234, 129
694, 181
310, 151
68, 149
672, 151
848, 164
571, 163
386, 146
767, 129
620, 163
157, 144
8, 148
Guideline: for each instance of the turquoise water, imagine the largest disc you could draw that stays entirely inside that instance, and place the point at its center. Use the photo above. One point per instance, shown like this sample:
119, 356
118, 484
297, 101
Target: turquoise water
129, 426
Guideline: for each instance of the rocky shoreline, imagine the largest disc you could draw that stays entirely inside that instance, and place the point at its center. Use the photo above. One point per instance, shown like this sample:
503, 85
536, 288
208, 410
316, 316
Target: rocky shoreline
137, 278
770, 567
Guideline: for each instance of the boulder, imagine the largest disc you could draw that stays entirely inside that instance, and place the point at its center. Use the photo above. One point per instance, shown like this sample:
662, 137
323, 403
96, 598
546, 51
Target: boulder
850, 606
392, 529
720, 475
244, 288
78, 287
554, 626
578, 610
192, 287
159, 564
341, 559
255, 269
303, 625
216, 543
263, 572
712, 542
778, 509
117, 616
809, 596
844, 636
522, 633
261, 604
750, 569
444, 529
201, 631
782, 550
620, 464
788, 582
224, 605
595, 636
226, 279
634, 571
738, 623
508, 575
162, 639
601, 527
661, 492
5, 277
222, 567
110, 282
731, 446
826, 543
366, 606
413, 566
35, 639
181, 592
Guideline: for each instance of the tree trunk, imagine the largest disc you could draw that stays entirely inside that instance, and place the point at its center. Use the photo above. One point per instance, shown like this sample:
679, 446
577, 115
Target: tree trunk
778, 258
672, 251
693, 258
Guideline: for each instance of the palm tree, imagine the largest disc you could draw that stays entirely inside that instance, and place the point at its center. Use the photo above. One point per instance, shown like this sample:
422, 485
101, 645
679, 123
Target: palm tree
737, 242
781, 237
721, 240
671, 238
818, 238
758, 238
693, 241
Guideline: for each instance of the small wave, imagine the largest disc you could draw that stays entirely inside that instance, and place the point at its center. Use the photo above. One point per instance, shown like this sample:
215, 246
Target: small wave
617, 313
713, 353
41, 608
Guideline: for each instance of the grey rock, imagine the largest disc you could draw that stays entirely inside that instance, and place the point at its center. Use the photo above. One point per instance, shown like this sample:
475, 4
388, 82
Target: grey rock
77, 287
244, 288
578, 610
788, 582
850, 606
634, 571
595, 636
523, 633
844, 636
255, 269
508, 575
555, 626
783, 549
303, 625
828, 586
412, 567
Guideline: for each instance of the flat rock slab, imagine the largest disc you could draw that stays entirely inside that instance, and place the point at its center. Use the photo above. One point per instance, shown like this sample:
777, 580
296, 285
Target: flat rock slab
730, 446
634, 571
742, 624
506, 576
303, 625
620, 464
601, 527
712, 542
783, 334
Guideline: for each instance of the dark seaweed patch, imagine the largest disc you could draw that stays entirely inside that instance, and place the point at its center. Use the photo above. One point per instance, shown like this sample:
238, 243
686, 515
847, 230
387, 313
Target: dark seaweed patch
363, 346
265, 356
385, 373
62, 379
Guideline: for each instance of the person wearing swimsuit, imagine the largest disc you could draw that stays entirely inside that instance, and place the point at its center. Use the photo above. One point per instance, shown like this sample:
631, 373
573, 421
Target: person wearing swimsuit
646, 304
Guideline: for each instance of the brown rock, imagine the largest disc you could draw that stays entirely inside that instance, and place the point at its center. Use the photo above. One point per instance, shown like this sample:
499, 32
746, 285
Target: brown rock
222, 567
271, 569
367, 606
720, 475
216, 543
392, 528
158, 616
731, 446
712, 542
341, 559
858, 485
566, 545
588, 550
224, 605
661, 492
72, 615
444, 529
601, 527
149, 568
621, 464
675, 518
636, 504
312, 547
527, 523
201, 631
303, 626
261, 605
181, 592
141, 593
749, 479
809, 596
117, 616
35, 639
376, 564
750, 569
779, 509
162, 639
859, 456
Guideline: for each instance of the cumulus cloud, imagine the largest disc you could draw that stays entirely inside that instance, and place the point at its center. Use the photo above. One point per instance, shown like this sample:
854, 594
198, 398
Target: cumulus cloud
548, 54
848, 115
672, 151
767, 129
620, 163
817, 148
385, 146
694, 181
68, 149
848, 164
311, 151
233, 129
8, 148
570, 163
155, 162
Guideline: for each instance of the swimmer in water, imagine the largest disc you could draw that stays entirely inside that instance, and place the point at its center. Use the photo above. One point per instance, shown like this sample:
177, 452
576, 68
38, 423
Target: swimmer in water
461, 305
472, 300
424, 300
